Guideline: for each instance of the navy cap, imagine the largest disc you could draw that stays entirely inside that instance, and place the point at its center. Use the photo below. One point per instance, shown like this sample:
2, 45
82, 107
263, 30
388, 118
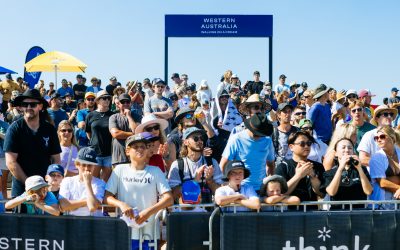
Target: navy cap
55, 168
394, 89
87, 155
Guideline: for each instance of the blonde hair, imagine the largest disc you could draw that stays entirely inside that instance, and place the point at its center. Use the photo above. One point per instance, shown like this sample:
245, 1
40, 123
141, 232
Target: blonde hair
309, 92
394, 135
281, 96
345, 130
356, 103
67, 123
227, 75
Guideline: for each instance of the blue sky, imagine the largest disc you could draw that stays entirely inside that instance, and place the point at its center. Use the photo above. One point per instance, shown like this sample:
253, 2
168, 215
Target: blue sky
344, 44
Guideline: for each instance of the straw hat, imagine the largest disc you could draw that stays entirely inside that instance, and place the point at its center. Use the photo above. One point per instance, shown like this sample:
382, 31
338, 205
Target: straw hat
380, 109
253, 99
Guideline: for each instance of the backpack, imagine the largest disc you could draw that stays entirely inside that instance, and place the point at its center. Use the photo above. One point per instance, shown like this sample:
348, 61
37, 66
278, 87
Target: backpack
205, 190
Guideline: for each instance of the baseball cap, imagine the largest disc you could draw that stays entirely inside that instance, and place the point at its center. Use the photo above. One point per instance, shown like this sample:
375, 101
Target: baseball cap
232, 165
174, 75
234, 76
35, 182
55, 168
90, 94
394, 89
256, 72
124, 96
79, 76
283, 105
191, 192
113, 78
135, 138
159, 81
364, 93
149, 136
87, 155
351, 91
304, 84
304, 122
192, 130
282, 76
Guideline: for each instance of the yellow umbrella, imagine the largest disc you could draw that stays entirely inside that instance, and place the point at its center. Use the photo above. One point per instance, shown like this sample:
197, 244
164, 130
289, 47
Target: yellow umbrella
55, 61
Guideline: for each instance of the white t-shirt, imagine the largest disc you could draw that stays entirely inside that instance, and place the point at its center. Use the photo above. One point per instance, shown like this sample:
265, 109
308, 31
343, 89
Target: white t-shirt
317, 151
140, 189
367, 143
65, 151
73, 189
245, 189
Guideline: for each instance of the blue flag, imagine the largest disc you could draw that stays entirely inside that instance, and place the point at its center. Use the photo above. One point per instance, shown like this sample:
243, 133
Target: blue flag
32, 77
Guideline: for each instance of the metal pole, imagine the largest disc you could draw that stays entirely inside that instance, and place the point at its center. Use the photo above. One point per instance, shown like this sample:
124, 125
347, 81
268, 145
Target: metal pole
210, 228
166, 60
270, 62
55, 69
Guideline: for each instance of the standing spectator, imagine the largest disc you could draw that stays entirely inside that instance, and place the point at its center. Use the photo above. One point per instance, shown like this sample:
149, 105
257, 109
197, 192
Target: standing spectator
394, 98
225, 115
299, 113
82, 113
184, 79
69, 147
357, 119
51, 90
178, 83
121, 126
294, 94
149, 185
304, 87
158, 105
95, 86
320, 114
383, 116
31, 143
304, 177
79, 88
3, 167
136, 99
365, 97
56, 113
7, 86
253, 105
69, 104
204, 93
225, 83
64, 89
254, 147
147, 88
83, 194
282, 86
255, 86
97, 131
308, 96
351, 95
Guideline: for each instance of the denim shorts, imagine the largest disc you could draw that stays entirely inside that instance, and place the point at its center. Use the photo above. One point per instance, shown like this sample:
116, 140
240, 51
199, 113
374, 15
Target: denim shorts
104, 161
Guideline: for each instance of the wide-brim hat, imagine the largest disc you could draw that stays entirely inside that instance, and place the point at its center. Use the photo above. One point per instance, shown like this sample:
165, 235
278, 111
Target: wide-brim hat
30, 94
119, 88
151, 119
102, 93
232, 165
259, 125
275, 177
253, 99
320, 91
381, 109
340, 95
181, 113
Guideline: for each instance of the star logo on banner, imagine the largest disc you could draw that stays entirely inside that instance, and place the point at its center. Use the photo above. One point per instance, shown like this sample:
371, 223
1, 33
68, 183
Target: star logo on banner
324, 234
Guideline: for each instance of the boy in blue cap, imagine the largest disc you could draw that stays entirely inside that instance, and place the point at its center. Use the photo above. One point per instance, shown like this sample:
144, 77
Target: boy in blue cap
54, 177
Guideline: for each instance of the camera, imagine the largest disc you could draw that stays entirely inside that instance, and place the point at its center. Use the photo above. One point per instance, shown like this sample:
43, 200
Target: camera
353, 162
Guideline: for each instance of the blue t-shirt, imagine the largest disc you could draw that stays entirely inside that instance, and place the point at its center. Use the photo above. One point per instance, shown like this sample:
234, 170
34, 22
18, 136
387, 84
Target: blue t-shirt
57, 116
63, 91
49, 200
253, 153
92, 89
81, 115
320, 115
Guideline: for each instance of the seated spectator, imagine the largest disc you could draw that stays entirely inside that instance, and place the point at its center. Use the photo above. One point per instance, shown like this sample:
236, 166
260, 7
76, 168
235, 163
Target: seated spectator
385, 166
83, 194
318, 149
36, 192
348, 180
273, 190
194, 166
235, 191
144, 188
299, 113
303, 176
69, 147
54, 177
55, 111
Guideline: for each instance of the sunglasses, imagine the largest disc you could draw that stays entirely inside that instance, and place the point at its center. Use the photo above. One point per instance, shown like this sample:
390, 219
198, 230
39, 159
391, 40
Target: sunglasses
66, 130
31, 104
105, 98
356, 110
197, 138
53, 175
189, 116
300, 113
125, 102
160, 86
306, 96
174, 99
306, 128
380, 137
155, 127
352, 96
386, 114
303, 143
90, 99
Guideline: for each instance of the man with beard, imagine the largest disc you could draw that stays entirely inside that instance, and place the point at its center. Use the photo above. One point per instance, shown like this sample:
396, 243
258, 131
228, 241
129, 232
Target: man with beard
31, 143
194, 166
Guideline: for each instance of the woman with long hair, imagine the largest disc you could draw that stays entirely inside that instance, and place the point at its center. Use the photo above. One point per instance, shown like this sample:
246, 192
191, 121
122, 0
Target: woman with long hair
69, 147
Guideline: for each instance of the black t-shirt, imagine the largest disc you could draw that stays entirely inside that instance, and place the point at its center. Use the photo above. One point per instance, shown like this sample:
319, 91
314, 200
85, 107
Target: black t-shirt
68, 107
34, 149
110, 88
350, 187
97, 125
255, 87
303, 190
79, 87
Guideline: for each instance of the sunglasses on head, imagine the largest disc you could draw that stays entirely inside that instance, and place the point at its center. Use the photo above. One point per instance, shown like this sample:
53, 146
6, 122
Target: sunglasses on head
300, 113
66, 130
31, 104
356, 110
189, 116
386, 114
125, 102
380, 137
303, 143
155, 127
197, 138
352, 96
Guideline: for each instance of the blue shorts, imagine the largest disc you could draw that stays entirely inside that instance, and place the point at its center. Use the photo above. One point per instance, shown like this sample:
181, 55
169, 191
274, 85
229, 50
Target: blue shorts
145, 245
104, 161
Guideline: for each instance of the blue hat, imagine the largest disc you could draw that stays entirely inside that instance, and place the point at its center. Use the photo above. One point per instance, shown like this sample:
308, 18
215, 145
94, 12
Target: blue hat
394, 89
191, 192
55, 168
87, 155
149, 136
192, 130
